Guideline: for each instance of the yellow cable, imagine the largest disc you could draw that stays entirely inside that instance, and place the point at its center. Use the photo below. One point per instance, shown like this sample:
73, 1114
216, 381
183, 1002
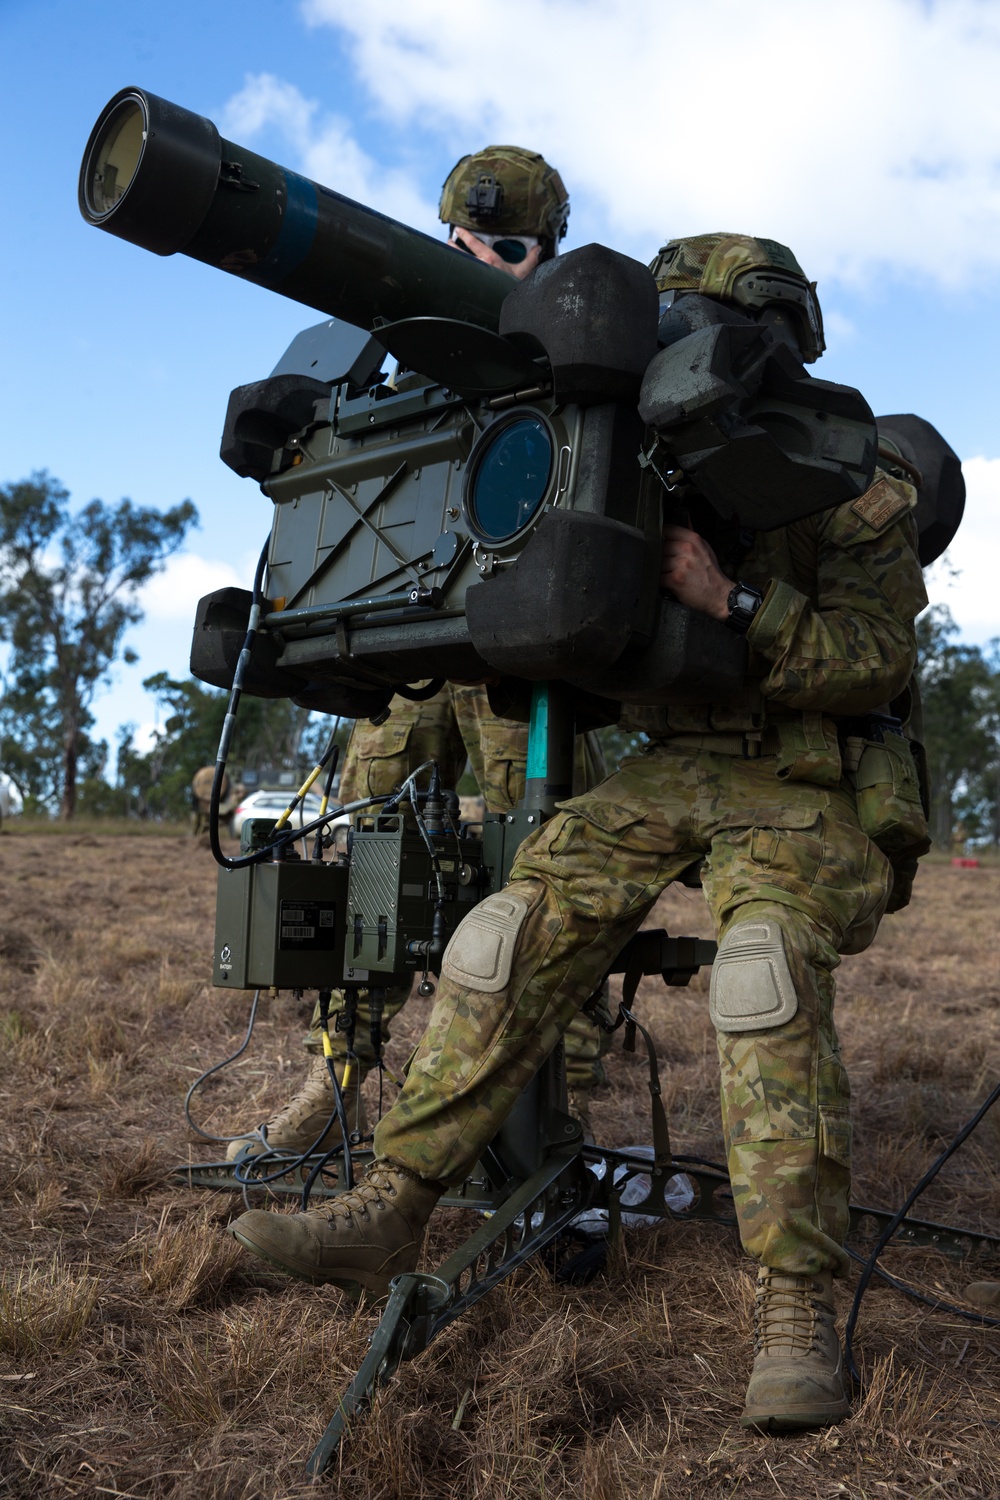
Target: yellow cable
316, 771
345, 1082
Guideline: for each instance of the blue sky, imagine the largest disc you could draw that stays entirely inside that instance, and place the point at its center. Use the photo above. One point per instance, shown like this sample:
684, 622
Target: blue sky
866, 136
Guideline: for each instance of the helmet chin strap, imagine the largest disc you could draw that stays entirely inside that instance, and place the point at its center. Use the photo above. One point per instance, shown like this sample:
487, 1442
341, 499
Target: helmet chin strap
782, 326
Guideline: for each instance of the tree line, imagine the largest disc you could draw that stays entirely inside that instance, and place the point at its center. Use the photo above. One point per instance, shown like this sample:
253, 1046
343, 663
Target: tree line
70, 583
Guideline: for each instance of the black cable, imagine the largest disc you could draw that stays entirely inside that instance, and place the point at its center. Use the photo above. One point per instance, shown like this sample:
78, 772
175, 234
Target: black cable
229, 722
292, 1162
289, 1163
699, 1161
260, 856
271, 1154
331, 772
341, 1112
225, 740
935, 1303
215, 1068
894, 1223
419, 695
310, 1181
334, 762
330, 752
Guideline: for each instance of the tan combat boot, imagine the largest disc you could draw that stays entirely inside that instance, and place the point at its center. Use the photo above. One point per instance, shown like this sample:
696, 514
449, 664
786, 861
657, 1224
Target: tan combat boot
359, 1240
297, 1126
985, 1294
797, 1378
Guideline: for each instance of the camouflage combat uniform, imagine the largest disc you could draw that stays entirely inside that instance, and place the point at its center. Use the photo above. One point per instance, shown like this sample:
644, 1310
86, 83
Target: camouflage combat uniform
453, 723
201, 798
753, 786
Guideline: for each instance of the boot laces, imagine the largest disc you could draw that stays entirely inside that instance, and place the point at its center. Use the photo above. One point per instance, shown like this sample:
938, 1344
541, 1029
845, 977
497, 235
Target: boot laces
375, 1187
787, 1314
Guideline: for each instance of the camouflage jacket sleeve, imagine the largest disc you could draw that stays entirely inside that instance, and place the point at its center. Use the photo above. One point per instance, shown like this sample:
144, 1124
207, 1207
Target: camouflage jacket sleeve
850, 647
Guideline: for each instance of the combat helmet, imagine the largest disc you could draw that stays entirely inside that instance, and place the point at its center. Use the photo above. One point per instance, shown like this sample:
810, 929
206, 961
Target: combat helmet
760, 276
507, 190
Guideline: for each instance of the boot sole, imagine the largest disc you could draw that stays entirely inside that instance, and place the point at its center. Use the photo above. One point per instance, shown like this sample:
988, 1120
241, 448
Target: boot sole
796, 1421
357, 1285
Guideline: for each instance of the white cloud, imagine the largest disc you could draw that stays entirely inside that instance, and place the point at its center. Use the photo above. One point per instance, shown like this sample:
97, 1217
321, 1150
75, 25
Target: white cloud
144, 737
325, 148
171, 597
966, 577
865, 134
839, 330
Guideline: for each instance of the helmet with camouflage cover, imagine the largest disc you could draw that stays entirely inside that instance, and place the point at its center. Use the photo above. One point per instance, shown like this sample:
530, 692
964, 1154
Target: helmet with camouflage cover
506, 190
759, 276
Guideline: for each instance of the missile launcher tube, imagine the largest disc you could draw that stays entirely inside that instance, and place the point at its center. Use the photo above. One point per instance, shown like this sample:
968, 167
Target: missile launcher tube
162, 177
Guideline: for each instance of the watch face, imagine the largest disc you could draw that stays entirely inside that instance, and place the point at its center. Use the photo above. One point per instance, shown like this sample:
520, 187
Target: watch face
744, 602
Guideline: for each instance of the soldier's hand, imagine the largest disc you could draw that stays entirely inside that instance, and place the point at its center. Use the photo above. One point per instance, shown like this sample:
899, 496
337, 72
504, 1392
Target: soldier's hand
465, 237
690, 570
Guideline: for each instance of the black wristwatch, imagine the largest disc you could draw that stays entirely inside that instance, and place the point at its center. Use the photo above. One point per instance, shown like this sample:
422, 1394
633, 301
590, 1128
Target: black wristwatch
744, 601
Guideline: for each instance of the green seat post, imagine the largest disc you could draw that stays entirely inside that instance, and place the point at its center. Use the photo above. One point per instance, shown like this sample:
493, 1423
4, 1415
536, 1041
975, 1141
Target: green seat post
538, 1120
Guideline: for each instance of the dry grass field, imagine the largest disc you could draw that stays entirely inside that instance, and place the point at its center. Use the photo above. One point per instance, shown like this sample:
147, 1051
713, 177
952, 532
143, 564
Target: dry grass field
142, 1355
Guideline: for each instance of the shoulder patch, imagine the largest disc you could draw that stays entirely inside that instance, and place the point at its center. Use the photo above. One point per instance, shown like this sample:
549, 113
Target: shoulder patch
886, 499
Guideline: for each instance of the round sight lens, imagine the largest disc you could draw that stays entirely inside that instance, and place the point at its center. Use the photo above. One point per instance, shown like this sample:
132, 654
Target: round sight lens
509, 481
115, 157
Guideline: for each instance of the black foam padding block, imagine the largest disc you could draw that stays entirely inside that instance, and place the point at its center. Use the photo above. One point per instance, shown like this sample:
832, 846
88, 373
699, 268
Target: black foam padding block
941, 496
570, 602
262, 416
594, 313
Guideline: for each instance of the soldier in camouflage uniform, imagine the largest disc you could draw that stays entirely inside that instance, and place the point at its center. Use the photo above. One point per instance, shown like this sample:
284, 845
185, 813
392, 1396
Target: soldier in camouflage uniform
509, 208
201, 798
755, 787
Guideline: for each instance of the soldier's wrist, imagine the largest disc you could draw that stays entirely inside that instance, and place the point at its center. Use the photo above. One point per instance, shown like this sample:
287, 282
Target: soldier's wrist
778, 615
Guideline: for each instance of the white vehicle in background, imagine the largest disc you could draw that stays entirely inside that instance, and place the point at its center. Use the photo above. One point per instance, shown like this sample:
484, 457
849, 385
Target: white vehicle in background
7, 804
271, 803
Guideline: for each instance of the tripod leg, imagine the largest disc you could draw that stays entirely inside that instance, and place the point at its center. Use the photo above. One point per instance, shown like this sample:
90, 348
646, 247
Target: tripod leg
421, 1305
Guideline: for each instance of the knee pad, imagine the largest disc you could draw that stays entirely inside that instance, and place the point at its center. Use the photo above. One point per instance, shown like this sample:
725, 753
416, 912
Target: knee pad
481, 951
752, 987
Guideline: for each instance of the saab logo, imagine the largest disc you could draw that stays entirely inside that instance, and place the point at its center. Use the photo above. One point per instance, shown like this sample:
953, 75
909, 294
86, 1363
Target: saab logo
225, 956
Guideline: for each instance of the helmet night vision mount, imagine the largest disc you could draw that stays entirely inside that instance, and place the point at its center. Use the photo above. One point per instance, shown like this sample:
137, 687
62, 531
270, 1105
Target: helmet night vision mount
496, 507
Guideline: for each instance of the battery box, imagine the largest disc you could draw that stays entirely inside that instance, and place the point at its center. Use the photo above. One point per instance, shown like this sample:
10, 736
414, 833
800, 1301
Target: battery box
282, 925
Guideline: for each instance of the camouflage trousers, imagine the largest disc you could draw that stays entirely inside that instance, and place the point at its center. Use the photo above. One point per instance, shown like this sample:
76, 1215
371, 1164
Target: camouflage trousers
455, 723
788, 853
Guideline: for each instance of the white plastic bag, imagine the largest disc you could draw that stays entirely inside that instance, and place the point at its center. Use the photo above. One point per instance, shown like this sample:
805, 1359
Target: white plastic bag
678, 1195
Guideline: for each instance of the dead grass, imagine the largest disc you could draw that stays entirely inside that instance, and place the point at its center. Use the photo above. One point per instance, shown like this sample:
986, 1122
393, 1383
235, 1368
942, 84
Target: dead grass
188, 1264
45, 1308
142, 1355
